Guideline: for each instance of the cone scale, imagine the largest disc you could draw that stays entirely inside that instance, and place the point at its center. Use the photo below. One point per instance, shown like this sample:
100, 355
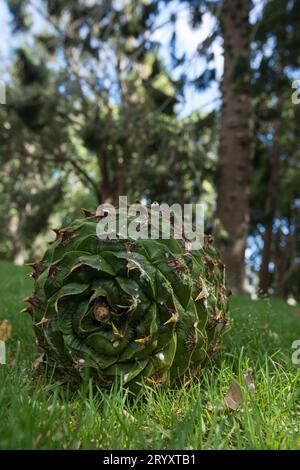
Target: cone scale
130, 311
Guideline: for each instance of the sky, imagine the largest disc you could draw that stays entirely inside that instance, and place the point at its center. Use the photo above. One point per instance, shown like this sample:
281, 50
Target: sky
5, 43
188, 40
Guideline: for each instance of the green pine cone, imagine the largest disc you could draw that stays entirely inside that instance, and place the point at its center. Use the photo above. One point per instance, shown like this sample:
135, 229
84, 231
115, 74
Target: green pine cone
127, 310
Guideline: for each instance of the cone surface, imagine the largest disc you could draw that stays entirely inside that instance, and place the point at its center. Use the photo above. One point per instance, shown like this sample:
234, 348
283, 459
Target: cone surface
133, 311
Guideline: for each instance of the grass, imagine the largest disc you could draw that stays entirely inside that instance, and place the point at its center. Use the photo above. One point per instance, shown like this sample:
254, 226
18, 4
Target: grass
36, 414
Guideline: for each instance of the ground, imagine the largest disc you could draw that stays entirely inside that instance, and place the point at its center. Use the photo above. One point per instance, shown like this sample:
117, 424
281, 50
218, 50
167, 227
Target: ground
40, 414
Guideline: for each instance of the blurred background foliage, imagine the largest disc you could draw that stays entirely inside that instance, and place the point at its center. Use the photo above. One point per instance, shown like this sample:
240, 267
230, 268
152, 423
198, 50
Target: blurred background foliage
93, 99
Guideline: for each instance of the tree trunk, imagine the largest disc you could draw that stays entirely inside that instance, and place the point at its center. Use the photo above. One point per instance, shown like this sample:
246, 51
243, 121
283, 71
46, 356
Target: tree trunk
285, 248
264, 275
18, 253
15, 228
270, 205
233, 178
113, 180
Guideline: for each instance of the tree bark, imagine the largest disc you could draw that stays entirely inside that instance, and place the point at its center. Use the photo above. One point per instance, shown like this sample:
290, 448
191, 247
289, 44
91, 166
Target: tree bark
15, 228
264, 274
233, 176
113, 179
270, 205
285, 246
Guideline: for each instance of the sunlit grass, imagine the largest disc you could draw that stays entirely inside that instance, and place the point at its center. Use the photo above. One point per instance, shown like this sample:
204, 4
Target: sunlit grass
36, 414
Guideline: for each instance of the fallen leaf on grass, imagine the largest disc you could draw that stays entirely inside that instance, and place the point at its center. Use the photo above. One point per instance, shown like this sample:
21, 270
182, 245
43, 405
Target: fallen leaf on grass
5, 330
39, 360
234, 397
